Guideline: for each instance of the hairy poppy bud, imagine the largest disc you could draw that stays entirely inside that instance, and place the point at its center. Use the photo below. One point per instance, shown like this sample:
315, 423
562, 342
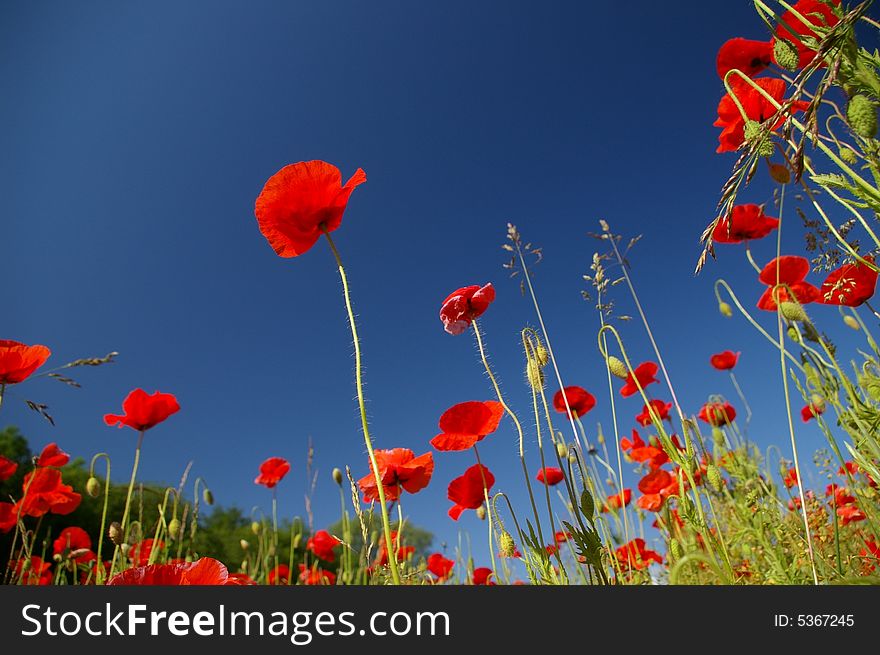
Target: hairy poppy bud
481, 512
93, 487
506, 544
542, 355
786, 54
208, 496
174, 528
725, 309
862, 116
534, 374
675, 548
244, 544
780, 173
713, 475
337, 476
296, 540
115, 533
561, 449
848, 156
754, 134
793, 334
617, 367
850, 322
255, 527
793, 311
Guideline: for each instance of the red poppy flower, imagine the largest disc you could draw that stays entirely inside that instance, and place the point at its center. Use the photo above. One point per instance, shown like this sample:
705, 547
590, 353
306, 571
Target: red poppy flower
724, 361
746, 223
812, 411
8, 516
280, 575
72, 539
52, 455
140, 552
850, 285
45, 492
143, 411
300, 201
272, 471
7, 468
717, 414
399, 469
634, 555
792, 272
561, 536
790, 479
579, 399
850, 514
403, 552
661, 409
322, 544
656, 486
614, 501
39, 573
639, 451
204, 571
464, 424
481, 576
750, 57
463, 305
466, 491
756, 107
644, 374
550, 475
316, 576
18, 361
792, 29
440, 566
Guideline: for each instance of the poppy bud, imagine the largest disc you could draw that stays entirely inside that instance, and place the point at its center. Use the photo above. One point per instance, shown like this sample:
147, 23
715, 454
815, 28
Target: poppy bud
134, 532
793, 311
818, 402
208, 496
617, 367
26, 565
713, 475
862, 116
786, 54
57, 557
725, 309
793, 334
188, 559
244, 544
337, 476
255, 527
296, 540
542, 355
850, 322
481, 512
534, 374
754, 135
675, 548
561, 449
506, 544
848, 156
174, 528
115, 533
572, 457
780, 173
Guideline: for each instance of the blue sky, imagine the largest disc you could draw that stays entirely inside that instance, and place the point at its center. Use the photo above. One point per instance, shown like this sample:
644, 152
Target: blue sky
136, 138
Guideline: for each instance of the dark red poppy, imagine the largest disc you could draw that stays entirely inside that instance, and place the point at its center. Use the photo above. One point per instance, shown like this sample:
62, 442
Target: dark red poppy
73, 539
300, 201
7, 468
790, 479
644, 375
52, 455
639, 451
440, 566
8, 516
717, 414
661, 409
634, 555
464, 424
280, 575
322, 544
756, 107
850, 285
39, 572
463, 305
316, 576
746, 223
204, 571
399, 469
579, 399
792, 272
45, 492
746, 55
142, 411
272, 471
550, 475
481, 576
466, 491
724, 361
403, 552
18, 361
617, 501
791, 29
140, 552
811, 411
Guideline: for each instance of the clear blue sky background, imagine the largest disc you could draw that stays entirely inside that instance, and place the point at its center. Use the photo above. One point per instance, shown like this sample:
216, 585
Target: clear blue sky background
136, 138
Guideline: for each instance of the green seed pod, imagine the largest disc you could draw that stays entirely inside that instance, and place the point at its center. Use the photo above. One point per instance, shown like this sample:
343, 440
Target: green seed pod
861, 114
713, 475
675, 549
481, 512
255, 527
506, 544
115, 533
174, 528
786, 54
793, 311
851, 322
561, 449
848, 156
93, 487
337, 476
617, 367
208, 496
725, 309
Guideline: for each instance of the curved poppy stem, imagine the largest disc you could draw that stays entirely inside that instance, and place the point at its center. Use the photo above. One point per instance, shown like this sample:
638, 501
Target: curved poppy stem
386, 522
488, 506
126, 511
